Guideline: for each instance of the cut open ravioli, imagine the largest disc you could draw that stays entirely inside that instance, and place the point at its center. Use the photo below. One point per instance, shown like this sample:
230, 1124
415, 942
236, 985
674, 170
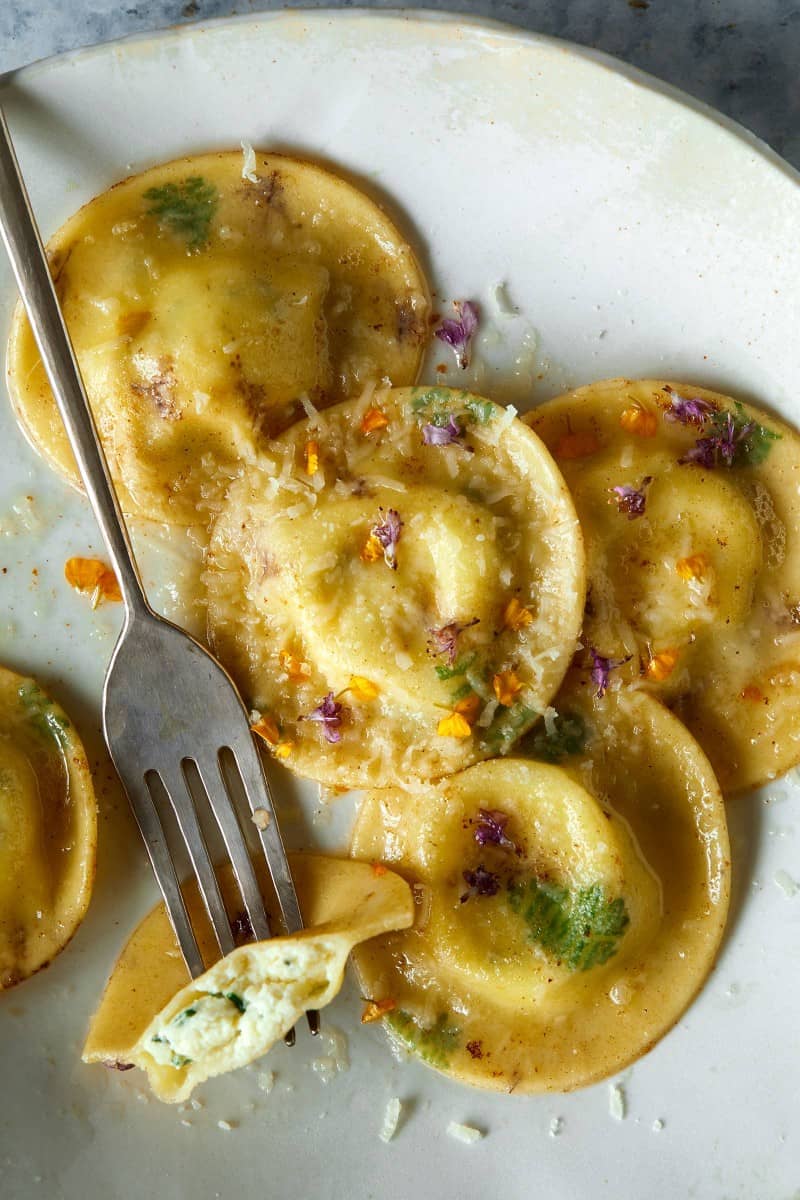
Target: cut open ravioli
205, 305
399, 588
182, 1032
567, 914
690, 508
48, 829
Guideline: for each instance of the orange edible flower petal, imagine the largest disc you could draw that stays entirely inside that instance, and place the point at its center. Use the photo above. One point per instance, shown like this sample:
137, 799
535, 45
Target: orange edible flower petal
469, 707
378, 869
312, 457
751, 692
577, 445
662, 665
362, 689
284, 749
639, 421
507, 687
373, 419
375, 1009
372, 550
92, 575
515, 616
693, 567
455, 725
267, 728
292, 665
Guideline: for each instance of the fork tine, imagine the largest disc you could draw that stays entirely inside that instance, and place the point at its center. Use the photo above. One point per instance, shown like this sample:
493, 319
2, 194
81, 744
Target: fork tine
149, 823
179, 796
220, 803
258, 795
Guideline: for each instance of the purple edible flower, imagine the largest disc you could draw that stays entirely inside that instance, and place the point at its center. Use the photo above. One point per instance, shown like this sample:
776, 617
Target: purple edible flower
460, 332
444, 640
388, 532
329, 715
723, 445
602, 668
442, 435
490, 829
629, 500
692, 411
480, 882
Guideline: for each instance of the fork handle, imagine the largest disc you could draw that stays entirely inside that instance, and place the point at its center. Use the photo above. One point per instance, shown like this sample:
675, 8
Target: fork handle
29, 263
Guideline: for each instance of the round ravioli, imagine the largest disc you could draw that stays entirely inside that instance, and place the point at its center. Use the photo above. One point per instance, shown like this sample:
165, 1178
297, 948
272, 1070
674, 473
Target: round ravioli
690, 506
48, 829
206, 303
567, 914
399, 589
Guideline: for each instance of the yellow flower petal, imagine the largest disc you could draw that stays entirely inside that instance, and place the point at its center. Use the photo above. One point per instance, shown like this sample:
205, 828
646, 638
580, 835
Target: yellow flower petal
312, 457
455, 726
267, 728
294, 667
639, 421
362, 689
375, 1009
92, 575
693, 567
662, 665
515, 616
507, 687
284, 749
372, 550
373, 419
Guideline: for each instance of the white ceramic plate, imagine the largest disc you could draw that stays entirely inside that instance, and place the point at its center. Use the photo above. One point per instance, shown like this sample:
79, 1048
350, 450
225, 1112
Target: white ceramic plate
639, 235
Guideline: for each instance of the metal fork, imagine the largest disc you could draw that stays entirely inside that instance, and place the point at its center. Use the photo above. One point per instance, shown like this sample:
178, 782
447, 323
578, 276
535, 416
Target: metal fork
169, 708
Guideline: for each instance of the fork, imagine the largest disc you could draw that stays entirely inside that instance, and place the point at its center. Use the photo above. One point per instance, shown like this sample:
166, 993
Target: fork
171, 713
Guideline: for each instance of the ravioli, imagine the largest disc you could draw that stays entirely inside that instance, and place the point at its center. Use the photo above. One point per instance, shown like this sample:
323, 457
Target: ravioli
48, 829
205, 307
567, 914
182, 1032
399, 590
690, 505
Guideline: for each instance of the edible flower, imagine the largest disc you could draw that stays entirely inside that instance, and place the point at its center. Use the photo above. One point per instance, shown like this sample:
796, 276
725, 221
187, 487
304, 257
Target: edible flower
267, 728
375, 1009
694, 566
443, 435
480, 882
630, 500
283, 749
469, 707
329, 715
459, 333
362, 689
639, 421
602, 668
387, 534
312, 457
507, 686
661, 665
722, 445
751, 692
294, 667
92, 575
454, 725
692, 411
516, 616
373, 419
378, 869
490, 829
444, 640
577, 445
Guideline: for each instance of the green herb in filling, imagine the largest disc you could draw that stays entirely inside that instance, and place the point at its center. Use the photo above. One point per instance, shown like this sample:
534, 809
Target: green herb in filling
40, 714
179, 1060
234, 998
460, 667
185, 208
481, 411
581, 929
568, 736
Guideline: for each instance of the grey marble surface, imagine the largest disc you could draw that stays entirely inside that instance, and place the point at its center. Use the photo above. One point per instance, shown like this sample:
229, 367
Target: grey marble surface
742, 56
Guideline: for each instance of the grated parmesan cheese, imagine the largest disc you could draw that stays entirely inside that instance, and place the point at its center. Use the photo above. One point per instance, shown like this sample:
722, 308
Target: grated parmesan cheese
467, 1134
617, 1103
784, 881
249, 162
391, 1119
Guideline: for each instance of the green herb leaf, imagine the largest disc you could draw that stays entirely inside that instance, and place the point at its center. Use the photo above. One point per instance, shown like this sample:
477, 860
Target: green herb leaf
236, 1000
40, 713
462, 692
179, 1060
435, 1044
460, 667
507, 726
481, 411
569, 736
581, 929
754, 447
184, 1016
186, 208
424, 397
